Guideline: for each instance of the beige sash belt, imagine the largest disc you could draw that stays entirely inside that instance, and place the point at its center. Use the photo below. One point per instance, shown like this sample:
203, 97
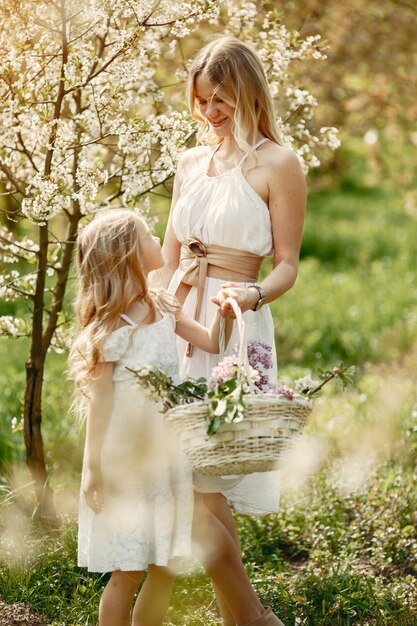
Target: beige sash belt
199, 261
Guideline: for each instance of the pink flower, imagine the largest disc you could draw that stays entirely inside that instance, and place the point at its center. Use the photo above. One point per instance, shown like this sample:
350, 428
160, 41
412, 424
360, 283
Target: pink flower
225, 370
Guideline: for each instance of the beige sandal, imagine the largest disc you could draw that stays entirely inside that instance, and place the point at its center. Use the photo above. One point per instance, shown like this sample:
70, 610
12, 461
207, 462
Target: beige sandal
267, 619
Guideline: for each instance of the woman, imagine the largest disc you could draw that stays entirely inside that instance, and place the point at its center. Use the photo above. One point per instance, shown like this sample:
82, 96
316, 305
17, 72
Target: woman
233, 205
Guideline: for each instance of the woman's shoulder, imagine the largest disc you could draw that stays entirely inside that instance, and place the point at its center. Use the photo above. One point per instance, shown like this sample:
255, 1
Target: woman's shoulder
193, 157
278, 165
276, 156
195, 152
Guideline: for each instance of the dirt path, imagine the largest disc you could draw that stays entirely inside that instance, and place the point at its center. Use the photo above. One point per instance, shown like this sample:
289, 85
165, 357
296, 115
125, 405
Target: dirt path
19, 615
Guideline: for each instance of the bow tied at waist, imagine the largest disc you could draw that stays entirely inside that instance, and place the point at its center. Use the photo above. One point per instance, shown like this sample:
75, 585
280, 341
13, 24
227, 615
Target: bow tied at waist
199, 260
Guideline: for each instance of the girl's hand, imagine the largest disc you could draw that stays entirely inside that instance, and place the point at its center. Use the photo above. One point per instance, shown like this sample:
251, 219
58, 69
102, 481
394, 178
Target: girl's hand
93, 490
246, 297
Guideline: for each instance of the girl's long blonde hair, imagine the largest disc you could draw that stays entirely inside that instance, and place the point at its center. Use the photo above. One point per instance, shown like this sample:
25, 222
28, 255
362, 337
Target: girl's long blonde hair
110, 278
237, 73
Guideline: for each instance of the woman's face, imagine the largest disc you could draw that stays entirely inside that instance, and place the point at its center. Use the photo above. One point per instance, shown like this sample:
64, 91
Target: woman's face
219, 114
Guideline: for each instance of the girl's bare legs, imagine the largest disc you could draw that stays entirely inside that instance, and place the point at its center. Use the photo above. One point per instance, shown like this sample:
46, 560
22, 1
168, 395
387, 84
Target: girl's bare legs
116, 601
153, 600
217, 552
217, 504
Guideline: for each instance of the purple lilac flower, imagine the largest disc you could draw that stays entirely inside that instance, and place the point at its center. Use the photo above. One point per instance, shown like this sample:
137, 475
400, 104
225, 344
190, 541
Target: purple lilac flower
269, 388
260, 354
286, 391
263, 384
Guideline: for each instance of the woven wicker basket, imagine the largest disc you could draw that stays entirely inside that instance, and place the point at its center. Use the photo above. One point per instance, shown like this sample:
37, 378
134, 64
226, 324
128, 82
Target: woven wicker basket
254, 444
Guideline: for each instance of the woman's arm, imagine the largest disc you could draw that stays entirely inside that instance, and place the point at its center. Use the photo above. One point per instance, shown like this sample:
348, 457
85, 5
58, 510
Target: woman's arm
206, 339
99, 411
171, 246
287, 205
190, 160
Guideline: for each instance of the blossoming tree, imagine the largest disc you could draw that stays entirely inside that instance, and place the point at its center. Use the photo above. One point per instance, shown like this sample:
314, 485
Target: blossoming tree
86, 123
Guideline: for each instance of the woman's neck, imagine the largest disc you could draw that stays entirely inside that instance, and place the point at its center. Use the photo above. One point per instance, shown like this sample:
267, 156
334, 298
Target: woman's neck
230, 148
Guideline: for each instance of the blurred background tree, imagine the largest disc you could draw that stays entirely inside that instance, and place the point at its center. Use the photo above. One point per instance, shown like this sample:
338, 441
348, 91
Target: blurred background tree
368, 86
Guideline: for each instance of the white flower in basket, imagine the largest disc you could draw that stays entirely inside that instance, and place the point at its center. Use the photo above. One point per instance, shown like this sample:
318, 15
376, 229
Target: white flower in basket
239, 422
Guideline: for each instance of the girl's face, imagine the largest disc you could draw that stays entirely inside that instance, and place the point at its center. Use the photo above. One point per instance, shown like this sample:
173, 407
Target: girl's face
150, 251
213, 107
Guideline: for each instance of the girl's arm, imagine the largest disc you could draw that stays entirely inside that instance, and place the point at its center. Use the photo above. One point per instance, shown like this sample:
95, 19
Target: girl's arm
99, 411
287, 205
206, 339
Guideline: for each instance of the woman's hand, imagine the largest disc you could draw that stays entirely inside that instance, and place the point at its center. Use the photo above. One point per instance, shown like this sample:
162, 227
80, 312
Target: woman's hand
246, 297
93, 490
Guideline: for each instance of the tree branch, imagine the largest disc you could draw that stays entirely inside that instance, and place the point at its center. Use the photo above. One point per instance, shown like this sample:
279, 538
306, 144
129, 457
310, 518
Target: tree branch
25, 294
88, 143
38, 349
67, 249
128, 45
26, 152
17, 245
83, 33
12, 179
407, 4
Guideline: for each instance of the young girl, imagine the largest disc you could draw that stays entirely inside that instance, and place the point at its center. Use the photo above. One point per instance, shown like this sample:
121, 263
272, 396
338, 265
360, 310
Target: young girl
136, 503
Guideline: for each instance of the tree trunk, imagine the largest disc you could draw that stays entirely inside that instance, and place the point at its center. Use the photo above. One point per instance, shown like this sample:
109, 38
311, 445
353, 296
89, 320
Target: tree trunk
35, 457
32, 408
32, 412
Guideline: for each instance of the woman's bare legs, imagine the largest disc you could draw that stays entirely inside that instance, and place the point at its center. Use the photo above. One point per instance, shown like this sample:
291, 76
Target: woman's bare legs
217, 551
217, 504
153, 600
116, 601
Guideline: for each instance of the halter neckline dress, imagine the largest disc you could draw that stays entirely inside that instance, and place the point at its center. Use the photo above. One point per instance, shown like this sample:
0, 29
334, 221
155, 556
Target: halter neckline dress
225, 210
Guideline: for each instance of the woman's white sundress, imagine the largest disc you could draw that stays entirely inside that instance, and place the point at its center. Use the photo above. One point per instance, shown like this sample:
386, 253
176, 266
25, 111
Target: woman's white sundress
225, 210
148, 492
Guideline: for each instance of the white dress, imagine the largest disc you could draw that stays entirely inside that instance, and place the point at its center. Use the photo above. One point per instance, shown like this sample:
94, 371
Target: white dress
148, 493
225, 210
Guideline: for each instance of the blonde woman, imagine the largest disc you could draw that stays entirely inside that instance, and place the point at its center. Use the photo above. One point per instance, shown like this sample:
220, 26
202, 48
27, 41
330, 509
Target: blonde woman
136, 504
237, 198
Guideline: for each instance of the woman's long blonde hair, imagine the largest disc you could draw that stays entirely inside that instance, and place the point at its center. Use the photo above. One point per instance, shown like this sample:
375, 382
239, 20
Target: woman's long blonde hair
237, 73
110, 278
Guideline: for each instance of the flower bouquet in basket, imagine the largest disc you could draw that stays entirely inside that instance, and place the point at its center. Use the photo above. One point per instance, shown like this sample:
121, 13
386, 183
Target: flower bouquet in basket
237, 422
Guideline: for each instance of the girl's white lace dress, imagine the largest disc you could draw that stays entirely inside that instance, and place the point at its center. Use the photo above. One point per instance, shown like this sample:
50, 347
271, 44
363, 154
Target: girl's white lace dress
148, 494
225, 210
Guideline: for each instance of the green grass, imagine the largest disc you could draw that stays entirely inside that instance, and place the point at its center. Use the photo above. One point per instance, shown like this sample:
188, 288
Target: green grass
356, 296
337, 554
343, 549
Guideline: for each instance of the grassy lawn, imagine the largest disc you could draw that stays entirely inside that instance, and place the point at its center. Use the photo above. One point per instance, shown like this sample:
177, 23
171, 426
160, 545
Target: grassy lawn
343, 549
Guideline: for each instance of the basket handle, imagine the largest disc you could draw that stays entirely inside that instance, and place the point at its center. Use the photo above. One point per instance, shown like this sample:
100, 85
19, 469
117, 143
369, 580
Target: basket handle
242, 356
